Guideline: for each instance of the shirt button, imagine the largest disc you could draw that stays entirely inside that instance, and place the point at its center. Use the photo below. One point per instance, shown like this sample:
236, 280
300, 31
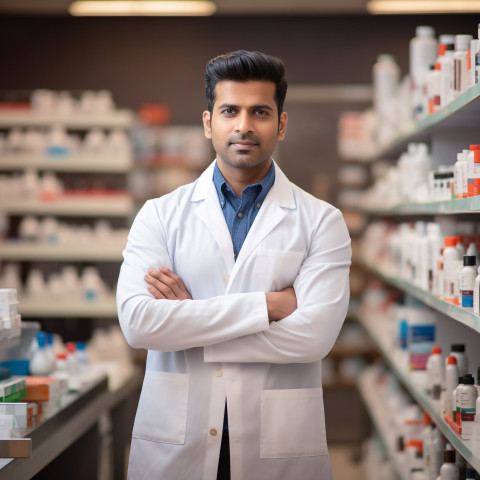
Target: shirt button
213, 432
219, 373
258, 205
240, 215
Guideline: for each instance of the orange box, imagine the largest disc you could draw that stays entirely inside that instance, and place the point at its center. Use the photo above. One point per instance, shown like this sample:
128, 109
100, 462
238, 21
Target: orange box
40, 389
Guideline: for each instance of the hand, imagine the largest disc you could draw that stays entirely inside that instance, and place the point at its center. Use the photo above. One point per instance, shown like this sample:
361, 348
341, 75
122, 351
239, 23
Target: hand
281, 304
164, 284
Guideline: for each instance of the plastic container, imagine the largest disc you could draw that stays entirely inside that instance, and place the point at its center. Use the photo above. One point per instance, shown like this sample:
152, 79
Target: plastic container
386, 77
41, 363
458, 351
451, 382
461, 80
451, 258
468, 275
435, 373
476, 293
449, 471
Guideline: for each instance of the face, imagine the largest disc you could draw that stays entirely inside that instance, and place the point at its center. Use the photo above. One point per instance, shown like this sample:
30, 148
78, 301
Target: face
244, 125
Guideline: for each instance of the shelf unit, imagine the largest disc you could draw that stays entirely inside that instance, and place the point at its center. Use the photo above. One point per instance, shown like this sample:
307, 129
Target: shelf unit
448, 131
78, 206
422, 399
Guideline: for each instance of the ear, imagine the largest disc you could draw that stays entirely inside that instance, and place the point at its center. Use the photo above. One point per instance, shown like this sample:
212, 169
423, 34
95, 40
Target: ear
207, 124
282, 126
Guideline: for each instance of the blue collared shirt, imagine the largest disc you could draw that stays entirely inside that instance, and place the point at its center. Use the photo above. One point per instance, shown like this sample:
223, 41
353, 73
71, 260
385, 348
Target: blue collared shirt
240, 213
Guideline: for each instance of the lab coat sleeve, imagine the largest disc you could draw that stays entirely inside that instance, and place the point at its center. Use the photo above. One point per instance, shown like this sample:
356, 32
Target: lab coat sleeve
322, 289
170, 325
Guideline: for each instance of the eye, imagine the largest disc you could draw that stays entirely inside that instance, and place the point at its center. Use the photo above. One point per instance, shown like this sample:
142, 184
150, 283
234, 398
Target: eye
228, 111
259, 112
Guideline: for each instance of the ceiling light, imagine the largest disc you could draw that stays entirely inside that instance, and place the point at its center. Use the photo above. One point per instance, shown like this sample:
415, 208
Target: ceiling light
422, 6
134, 8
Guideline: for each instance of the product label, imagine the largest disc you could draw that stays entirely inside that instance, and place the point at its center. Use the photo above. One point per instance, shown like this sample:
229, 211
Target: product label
467, 298
420, 343
476, 298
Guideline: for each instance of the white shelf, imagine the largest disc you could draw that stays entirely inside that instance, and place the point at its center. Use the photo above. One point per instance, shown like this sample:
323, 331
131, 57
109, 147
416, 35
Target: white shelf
461, 315
81, 163
80, 206
49, 308
450, 207
115, 119
422, 399
464, 111
365, 387
74, 253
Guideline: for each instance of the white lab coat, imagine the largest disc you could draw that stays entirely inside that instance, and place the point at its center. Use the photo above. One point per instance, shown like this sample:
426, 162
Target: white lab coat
220, 345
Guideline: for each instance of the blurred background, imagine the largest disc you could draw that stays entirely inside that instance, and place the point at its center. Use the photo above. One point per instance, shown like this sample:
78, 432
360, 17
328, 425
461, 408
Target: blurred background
100, 112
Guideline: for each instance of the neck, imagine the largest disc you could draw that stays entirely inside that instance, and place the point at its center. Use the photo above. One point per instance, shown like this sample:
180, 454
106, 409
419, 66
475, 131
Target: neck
239, 178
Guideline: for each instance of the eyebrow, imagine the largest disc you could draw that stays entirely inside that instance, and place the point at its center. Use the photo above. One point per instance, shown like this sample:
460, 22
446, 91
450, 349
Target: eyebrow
254, 107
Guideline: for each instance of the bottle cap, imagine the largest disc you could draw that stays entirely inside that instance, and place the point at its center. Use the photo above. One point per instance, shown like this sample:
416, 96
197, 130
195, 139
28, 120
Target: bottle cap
458, 347
468, 379
450, 241
61, 355
424, 31
71, 347
451, 360
449, 456
446, 39
474, 147
41, 339
436, 350
385, 57
462, 42
469, 260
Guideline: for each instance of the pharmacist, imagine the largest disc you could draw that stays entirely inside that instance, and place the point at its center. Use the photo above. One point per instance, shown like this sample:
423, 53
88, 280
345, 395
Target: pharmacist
237, 285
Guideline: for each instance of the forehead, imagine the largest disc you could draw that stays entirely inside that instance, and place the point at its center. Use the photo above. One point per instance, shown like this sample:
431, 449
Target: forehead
249, 92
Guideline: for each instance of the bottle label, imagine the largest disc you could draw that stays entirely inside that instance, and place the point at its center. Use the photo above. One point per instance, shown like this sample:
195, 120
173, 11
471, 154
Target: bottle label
467, 298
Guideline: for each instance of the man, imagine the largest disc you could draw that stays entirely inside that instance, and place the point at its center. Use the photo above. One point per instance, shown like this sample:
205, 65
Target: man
237, 285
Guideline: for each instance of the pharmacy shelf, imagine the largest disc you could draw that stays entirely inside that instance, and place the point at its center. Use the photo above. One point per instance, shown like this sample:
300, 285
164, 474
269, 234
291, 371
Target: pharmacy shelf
38, 252
78, 206
421, 398
366, 387
53, 308
80, 163
461, 315
29, 118
462, 112
449, 207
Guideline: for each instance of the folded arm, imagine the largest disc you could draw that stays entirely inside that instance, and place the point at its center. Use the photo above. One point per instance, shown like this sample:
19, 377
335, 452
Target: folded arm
322, 291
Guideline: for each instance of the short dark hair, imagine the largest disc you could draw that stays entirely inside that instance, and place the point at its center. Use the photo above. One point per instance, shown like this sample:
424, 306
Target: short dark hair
242, 66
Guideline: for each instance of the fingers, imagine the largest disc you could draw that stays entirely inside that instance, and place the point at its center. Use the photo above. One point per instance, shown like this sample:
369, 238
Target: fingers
163, 283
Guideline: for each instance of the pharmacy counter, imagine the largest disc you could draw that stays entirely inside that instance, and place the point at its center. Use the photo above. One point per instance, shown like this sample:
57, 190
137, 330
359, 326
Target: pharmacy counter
90, 414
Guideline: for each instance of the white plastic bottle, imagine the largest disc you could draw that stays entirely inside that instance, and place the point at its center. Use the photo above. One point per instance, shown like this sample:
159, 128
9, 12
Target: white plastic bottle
435, 373
449, 471
476, 426
467, 398
473, 251
423, 53
460, 68
434, 250
471, 170
451, 382
476, 294
41, 363
458, 176
471, 61
468, 275
386, 77
451, 257
437, 446
458, 351
446, 72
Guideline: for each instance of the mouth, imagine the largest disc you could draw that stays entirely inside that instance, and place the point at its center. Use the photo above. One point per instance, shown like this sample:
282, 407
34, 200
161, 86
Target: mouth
243, 145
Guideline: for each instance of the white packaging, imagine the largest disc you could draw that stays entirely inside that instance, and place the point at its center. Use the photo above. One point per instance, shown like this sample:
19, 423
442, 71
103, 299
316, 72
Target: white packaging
435, 373
451, 382
476, 294
467, 280
386, 77
458, 351
471, 61
461, 80
446, 77
458, 176
451, 257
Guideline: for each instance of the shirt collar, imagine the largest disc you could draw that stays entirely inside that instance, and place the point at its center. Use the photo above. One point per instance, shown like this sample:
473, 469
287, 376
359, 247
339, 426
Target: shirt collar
265, 184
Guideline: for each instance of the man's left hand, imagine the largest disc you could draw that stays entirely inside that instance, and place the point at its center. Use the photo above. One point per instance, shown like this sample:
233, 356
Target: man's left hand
164, 284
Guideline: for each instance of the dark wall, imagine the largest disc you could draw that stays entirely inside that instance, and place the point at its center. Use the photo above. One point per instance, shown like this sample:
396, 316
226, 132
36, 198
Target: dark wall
163, 59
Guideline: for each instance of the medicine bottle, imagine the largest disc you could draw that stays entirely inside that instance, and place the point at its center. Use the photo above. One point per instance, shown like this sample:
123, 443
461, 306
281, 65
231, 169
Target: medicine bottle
460, 57
451, 257
476, 294
435, 373
449, 470
468, 275
451, 382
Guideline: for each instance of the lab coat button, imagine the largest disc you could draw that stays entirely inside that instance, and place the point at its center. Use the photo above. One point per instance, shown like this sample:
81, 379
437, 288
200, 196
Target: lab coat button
213, 432
219, 373
226, 278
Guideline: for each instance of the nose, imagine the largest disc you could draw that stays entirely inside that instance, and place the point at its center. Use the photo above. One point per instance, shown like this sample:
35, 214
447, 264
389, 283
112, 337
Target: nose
243, 123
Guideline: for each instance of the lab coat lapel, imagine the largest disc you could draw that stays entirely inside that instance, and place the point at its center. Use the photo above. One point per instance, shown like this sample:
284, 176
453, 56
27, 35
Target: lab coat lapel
210, 212
279, 199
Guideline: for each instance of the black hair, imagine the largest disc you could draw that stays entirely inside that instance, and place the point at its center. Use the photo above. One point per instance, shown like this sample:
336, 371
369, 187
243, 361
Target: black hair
242, 66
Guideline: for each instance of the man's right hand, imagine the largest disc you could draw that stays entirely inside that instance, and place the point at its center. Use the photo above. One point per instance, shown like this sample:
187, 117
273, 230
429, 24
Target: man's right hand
281, 304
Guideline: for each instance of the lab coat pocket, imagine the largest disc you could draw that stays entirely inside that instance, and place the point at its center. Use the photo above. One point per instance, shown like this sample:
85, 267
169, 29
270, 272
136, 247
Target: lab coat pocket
162, 408
292, 423
276, 269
